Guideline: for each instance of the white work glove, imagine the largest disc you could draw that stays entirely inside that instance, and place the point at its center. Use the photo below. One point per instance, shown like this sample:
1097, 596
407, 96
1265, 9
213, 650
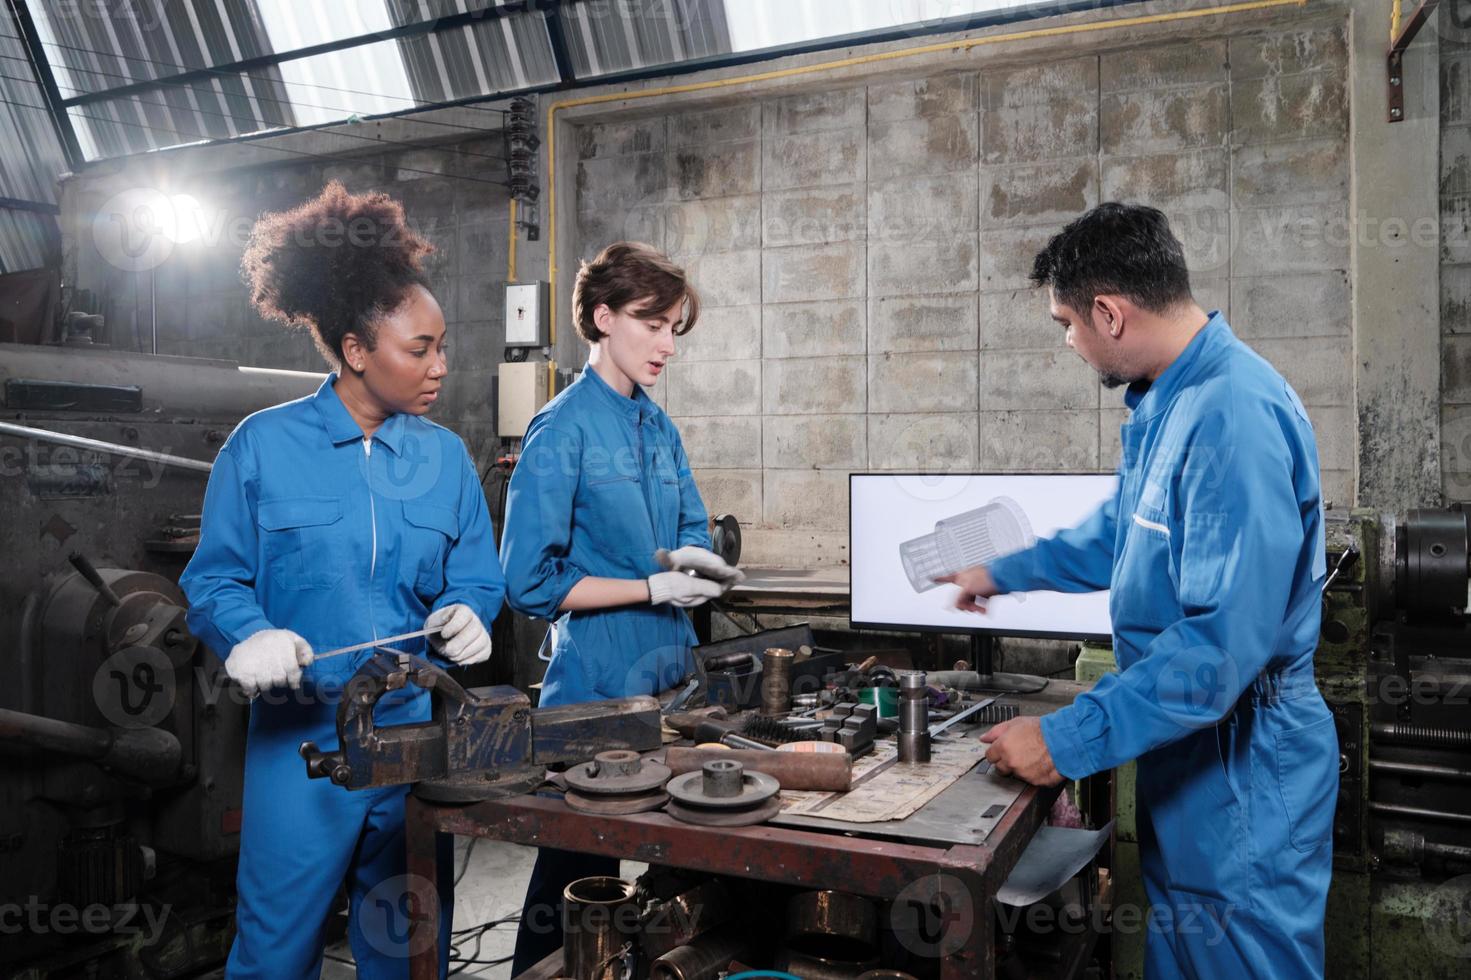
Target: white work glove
706, 564
267, 659
682, 589
462, 637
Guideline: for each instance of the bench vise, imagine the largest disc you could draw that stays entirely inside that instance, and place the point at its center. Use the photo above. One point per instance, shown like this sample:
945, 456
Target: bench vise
477, 744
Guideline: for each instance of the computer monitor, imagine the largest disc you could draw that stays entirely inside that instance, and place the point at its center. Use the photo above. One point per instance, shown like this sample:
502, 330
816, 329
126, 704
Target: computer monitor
907, 528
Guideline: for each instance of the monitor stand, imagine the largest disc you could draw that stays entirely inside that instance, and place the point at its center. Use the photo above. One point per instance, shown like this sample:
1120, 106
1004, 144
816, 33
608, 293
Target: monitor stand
983, 661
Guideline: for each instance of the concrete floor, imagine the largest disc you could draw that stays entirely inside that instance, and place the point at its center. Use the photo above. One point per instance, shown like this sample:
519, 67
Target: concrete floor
492, 888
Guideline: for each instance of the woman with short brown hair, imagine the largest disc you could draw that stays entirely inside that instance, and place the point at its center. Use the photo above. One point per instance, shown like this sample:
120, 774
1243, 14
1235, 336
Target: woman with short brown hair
602, 484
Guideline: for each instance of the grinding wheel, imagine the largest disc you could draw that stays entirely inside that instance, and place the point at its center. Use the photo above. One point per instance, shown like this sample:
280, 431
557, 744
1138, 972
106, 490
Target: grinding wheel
725, 538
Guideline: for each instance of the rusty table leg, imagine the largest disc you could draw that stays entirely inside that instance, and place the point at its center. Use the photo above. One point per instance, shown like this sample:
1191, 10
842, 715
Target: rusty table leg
423, 877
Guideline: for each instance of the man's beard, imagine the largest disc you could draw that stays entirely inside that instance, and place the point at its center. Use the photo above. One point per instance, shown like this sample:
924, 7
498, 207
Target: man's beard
1112, 380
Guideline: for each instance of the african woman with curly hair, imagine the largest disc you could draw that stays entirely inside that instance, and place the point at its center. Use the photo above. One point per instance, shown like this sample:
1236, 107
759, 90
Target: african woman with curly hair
330, 520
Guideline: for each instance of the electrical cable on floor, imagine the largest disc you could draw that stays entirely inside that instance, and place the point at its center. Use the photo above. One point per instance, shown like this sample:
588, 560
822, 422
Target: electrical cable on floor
465, 861
459, 961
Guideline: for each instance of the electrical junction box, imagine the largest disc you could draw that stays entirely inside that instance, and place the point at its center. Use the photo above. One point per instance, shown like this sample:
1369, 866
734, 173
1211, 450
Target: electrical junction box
526, 314
523, 391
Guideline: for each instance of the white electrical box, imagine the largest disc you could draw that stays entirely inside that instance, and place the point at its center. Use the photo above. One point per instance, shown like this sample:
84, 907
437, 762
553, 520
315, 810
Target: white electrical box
526, 314
523, 391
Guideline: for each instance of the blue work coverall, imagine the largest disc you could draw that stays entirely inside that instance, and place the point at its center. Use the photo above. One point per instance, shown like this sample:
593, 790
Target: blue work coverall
307, 527
602, 483
1213, 550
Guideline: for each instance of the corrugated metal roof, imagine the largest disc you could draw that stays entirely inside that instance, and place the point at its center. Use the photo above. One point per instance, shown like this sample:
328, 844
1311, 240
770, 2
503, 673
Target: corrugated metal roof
168, 72
31, 157
27, 241
111, 46
494, 55
604, 38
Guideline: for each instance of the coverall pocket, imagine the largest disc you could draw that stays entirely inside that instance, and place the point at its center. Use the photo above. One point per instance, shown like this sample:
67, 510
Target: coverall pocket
1199, 823
1202, 558
616, 507
301, 540
1307, 776
427, 535
1145, 572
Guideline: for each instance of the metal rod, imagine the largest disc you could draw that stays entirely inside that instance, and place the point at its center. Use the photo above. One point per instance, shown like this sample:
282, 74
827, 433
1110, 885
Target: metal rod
53, 735
375, 643
1424, 735
1414, 811
89, 572
1418, 769
81, 442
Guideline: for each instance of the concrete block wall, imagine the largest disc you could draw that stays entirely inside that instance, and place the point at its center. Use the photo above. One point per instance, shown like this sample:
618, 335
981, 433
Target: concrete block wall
864, 251
1455, 251
203, 306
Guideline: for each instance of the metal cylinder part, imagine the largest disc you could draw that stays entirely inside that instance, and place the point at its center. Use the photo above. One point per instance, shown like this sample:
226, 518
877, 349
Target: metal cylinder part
836, 927
704, 958
832, 772
1432, 548
617, 762
776, 681
598, 915
914, 746
723, 778
914, 717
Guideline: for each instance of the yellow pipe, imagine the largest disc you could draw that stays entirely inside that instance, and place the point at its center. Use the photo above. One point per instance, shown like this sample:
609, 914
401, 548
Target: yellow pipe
1394, 17
511, 251
961, 45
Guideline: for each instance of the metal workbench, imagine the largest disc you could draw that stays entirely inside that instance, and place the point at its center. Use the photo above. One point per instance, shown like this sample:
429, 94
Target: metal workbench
855, 860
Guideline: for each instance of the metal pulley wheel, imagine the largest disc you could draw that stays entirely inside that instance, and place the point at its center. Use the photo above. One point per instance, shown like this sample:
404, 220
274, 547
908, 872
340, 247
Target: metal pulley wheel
616, 782
725, 538
723, 794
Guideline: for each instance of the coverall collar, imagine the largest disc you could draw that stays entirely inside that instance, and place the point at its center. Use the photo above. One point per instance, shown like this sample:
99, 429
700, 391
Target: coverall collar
631, 408
342, 427
1147, 402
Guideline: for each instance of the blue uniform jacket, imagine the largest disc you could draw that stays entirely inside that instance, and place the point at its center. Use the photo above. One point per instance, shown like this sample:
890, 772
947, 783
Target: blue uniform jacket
308, 528
601, 484
1213, 551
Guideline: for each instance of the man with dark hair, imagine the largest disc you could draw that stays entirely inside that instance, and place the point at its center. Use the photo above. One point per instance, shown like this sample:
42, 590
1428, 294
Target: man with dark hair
1212, 548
